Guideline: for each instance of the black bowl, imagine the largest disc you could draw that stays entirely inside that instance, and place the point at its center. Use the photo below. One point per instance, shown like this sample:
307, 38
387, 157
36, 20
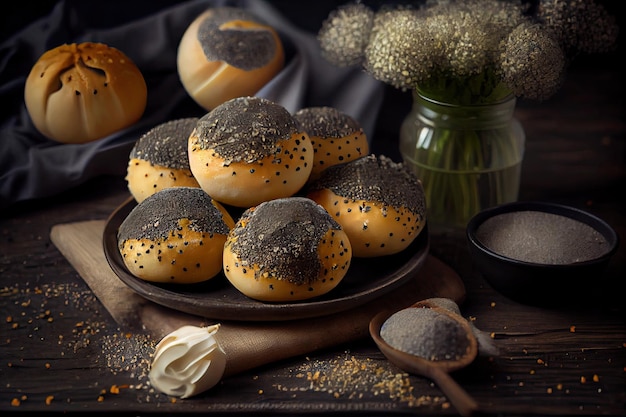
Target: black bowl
536, 252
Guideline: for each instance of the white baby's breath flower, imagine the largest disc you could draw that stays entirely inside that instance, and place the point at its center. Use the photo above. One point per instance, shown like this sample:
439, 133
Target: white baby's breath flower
395, 54
344, 35
533, 64
468, 51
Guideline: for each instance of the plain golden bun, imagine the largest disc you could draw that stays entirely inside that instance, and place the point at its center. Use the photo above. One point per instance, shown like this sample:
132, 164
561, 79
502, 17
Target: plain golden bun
287, 249
379, 203
249, 150
337, 137
77, 93
225, 53
175, 236
159, 159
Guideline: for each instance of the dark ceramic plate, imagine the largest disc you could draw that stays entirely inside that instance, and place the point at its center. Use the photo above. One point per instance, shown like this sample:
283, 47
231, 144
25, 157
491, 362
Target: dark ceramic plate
367, 279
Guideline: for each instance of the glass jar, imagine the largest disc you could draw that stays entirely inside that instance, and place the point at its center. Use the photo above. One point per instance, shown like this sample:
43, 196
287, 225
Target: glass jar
468, 157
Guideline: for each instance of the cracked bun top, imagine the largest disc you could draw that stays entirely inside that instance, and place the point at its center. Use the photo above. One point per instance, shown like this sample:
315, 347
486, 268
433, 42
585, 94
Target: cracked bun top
77, 93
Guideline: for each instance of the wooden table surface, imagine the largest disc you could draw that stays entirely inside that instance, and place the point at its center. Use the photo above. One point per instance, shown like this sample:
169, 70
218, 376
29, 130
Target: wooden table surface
61, 351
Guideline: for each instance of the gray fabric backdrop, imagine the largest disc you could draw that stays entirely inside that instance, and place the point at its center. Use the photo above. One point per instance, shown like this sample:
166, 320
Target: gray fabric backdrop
32, 166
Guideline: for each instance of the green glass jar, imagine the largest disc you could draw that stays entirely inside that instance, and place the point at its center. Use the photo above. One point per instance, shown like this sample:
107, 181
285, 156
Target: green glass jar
468, 157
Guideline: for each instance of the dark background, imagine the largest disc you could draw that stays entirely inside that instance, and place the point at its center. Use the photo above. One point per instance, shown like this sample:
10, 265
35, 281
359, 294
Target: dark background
307, 15
17, 14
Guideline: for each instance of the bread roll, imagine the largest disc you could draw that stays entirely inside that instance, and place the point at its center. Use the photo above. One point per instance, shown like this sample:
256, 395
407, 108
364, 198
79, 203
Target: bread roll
77, 93
379, 203
287, 249
249, 150
175, 236
225, 53
159, 159
337, 137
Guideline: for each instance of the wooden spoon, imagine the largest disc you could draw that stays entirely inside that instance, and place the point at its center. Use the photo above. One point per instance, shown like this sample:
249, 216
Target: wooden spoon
436, 370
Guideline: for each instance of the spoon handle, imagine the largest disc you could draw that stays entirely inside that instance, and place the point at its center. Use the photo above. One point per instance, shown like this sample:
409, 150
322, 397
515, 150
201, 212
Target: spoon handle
462, 401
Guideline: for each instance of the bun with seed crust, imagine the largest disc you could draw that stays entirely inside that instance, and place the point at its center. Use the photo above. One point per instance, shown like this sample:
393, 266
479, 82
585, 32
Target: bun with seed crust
379, 203
337, 137
159, 159
225, 53
249, 150
287, 249
175, 236
77, 93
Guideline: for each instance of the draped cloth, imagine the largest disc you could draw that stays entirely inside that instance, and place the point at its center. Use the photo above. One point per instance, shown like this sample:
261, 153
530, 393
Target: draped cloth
32, 166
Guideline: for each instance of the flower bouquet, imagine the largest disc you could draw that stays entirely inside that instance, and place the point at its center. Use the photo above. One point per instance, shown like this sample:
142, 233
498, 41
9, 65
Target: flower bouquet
463, 61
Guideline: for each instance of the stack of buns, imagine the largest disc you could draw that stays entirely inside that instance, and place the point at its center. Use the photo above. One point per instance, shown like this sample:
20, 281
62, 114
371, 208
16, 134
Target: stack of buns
279, 202
295, 233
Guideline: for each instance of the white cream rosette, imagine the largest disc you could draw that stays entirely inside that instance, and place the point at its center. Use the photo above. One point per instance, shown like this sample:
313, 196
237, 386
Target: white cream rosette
188, 361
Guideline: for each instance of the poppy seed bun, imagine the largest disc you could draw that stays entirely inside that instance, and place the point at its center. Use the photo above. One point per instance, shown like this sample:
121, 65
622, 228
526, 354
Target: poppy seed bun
249, 150
159, 159
77, 93
337, 138
175, 236
287, 249
225, 53
379, 203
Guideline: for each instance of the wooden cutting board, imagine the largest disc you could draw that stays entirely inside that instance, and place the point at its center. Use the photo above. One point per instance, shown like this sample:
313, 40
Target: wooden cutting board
248, 344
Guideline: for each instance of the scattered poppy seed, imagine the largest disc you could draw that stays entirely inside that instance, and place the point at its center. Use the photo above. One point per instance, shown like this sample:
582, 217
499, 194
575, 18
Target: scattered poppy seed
348, 377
